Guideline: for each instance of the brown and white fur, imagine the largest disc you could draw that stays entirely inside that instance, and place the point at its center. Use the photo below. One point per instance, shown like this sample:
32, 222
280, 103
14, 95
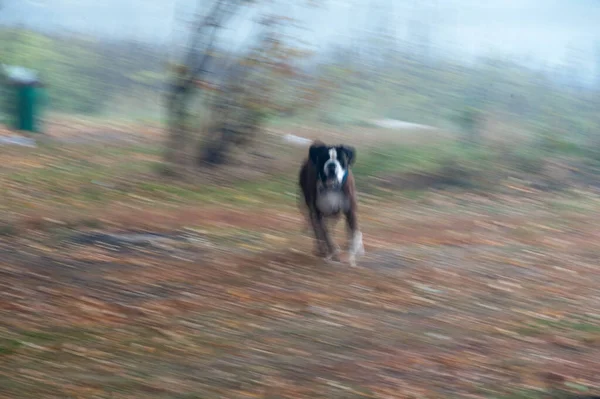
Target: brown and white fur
328, 190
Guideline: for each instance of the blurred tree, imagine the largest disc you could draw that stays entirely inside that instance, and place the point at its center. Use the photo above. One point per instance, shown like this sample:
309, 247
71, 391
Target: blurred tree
194, 67
253, 89
247, 92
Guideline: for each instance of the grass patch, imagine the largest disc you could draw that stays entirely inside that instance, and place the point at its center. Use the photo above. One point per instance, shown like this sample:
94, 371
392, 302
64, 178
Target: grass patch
381, 161
450, 163
96, 174
540, 326
164, 190
7, 230
56, 335
9, 346
92, 175
522, 394
553, 393
417, 168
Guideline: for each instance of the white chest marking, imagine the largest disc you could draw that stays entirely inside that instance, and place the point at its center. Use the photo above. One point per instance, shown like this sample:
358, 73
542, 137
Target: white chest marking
331, 202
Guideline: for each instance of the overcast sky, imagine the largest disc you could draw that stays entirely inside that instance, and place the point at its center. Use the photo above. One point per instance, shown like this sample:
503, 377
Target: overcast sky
541, 30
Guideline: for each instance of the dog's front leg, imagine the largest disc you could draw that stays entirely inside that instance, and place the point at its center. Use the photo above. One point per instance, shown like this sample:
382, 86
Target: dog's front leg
355, 245
323, 238
321, 247
332, 249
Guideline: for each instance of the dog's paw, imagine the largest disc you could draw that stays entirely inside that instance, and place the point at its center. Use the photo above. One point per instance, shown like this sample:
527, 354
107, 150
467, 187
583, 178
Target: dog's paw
333, 256
356, 246
352, 260
361, 250
320, 252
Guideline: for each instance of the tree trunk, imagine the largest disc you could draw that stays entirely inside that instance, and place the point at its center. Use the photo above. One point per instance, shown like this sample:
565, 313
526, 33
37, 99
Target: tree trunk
184, 83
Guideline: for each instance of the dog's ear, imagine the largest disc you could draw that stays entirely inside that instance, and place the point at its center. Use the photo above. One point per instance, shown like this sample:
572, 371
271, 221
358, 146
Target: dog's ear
350, 153
316, 149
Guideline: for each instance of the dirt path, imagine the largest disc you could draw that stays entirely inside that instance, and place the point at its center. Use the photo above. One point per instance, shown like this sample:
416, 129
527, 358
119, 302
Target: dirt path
453, 304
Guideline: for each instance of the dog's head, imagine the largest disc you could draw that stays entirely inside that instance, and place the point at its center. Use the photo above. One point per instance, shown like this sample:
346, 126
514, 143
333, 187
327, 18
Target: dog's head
332, 162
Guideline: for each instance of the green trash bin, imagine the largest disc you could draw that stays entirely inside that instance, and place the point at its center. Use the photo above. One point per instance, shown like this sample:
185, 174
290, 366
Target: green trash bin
23, 99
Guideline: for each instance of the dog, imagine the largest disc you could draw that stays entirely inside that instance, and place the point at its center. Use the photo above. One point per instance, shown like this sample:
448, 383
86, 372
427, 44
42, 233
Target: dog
328, 189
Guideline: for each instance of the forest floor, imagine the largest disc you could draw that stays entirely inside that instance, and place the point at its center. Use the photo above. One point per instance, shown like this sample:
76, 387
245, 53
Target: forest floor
118, 284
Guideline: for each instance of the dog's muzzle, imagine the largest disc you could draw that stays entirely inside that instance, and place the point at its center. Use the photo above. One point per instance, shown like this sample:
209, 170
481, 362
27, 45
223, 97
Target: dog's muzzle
332, 183
329, 185
333, 174
331, 170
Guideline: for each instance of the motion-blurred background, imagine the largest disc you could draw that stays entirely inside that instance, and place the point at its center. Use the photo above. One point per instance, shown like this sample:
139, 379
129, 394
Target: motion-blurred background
150, 240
